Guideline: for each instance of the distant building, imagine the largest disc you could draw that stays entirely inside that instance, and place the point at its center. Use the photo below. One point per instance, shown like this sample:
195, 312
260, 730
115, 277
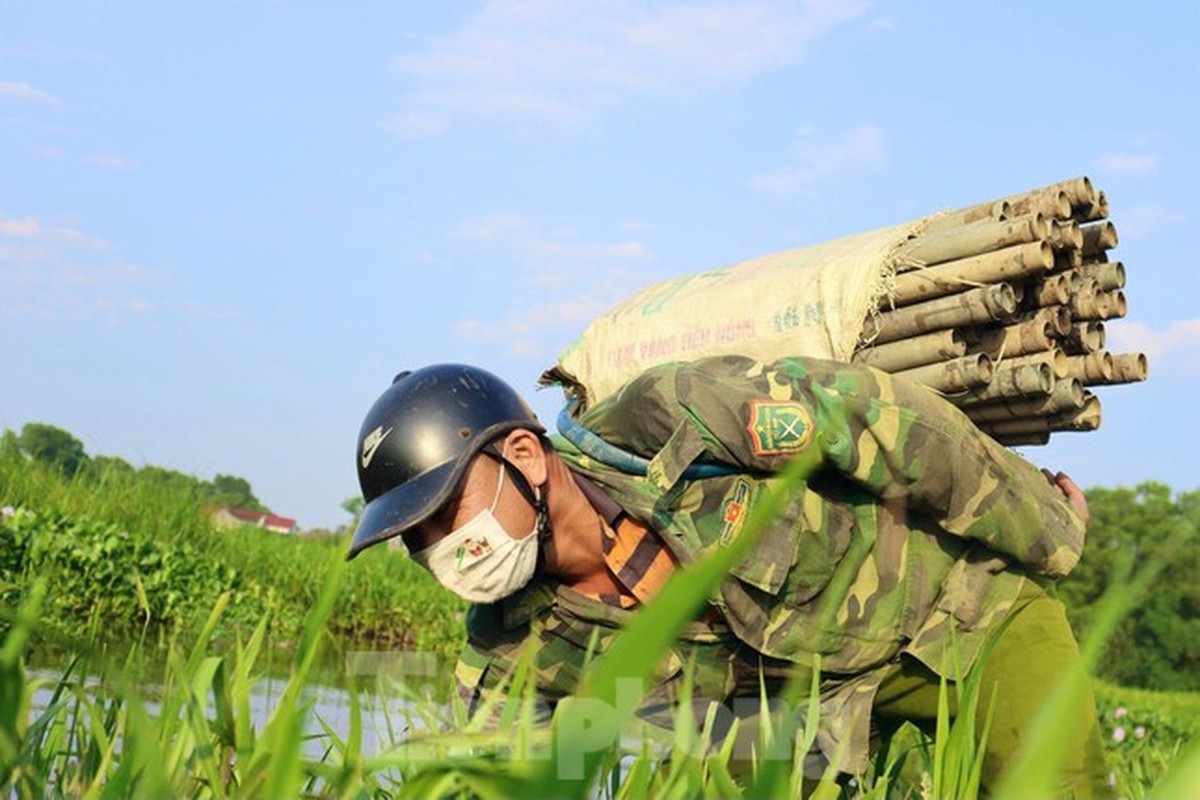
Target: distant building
230, 517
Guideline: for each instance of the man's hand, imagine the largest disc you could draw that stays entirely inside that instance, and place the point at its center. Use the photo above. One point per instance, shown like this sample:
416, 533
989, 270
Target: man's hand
1071, 491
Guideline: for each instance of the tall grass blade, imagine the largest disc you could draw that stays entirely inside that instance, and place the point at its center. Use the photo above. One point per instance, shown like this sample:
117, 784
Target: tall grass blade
1036, 770
1183, 779
16, 695
588, 725
276, 766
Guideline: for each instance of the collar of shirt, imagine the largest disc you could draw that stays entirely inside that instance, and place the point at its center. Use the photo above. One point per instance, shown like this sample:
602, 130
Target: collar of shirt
633, 551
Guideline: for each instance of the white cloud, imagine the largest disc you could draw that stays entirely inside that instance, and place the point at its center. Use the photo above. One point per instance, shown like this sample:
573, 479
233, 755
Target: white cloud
566, 61
18, 90
51, 272
560, 247
27, 124
1126, 163
534, 330
812, 161
587, 251
494, 226
569, 281
44, 51
1178, 343
19, 228
117, 163
416, 124
30, 228
1139, 221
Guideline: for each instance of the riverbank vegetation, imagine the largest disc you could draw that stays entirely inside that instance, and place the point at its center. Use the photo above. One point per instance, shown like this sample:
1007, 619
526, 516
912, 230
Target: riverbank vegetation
93, 731
137, 548
132, 555
93, 559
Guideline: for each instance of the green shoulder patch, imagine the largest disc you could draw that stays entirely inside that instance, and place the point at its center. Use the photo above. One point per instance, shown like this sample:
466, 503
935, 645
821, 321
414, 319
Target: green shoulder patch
779, 427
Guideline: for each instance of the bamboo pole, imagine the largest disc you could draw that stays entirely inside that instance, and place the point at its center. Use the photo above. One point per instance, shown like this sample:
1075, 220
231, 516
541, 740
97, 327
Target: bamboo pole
1032, 380
967, 372
1031, 336
1086, 418
984, 236
1059, 317
949, 320
1065, 235
1079, 190
1022, 439
1052, 201
1066, 260
1130, 367
1114, 304
1082, 419
1066, 396
992, 210
1084, 337
916, 351
1055, 358
1076, 280
1052, 290
1018, 261
993, 303
1127, 368
1092, 368
1089, 303
984, 340
1098, 238
1097, 210
1108, 276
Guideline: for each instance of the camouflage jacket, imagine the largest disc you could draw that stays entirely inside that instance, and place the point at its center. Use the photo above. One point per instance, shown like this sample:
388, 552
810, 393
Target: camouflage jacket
917, 532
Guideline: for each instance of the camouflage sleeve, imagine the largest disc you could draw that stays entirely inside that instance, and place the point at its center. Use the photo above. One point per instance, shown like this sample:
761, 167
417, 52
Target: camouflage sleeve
897, 439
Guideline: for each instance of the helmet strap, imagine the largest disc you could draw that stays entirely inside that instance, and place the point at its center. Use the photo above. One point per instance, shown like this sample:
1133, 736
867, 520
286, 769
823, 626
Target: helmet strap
531, 494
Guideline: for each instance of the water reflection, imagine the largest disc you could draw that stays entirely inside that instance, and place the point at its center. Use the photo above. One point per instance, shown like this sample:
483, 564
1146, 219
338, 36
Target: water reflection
399, 693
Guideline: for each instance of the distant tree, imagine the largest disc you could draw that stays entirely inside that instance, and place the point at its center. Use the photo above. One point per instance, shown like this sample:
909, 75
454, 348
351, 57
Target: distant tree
170, 480
1158, 644
55, 447
109, 466
10, 446
353, 505
230, 490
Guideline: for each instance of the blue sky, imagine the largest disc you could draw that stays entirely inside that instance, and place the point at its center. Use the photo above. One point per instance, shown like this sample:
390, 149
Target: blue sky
224, 226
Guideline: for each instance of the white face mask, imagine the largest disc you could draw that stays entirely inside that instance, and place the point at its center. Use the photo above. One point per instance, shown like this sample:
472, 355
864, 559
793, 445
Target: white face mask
479, 561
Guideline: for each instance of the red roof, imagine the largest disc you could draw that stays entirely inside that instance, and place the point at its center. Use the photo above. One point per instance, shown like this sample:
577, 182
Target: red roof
260, 519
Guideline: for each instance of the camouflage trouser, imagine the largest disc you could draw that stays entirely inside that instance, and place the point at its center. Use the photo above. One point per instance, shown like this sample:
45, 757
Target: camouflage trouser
1028, 659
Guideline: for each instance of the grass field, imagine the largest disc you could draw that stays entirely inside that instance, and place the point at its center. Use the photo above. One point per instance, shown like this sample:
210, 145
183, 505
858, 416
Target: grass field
198, 738
208, 610
133, 561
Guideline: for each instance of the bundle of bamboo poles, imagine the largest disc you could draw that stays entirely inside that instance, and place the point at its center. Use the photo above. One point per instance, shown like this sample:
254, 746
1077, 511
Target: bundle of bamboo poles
1001, 308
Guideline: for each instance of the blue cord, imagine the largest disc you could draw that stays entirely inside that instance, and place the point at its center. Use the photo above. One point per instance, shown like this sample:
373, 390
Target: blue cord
592, 445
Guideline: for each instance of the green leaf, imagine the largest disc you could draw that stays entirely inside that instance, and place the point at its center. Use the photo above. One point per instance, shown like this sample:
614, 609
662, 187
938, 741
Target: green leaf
588, 725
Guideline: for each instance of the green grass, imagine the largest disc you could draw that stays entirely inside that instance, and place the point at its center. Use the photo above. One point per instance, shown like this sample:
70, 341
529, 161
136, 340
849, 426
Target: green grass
99, 739
150, 563
1145, 732
126, 561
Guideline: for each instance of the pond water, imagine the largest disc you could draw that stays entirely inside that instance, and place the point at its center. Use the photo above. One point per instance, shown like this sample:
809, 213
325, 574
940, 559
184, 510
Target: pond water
398, 693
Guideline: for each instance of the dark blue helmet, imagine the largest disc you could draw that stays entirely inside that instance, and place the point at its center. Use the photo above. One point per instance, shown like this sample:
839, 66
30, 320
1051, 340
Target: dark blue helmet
418, 439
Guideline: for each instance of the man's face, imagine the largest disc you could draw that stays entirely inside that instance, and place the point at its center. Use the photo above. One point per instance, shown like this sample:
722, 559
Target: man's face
474, 495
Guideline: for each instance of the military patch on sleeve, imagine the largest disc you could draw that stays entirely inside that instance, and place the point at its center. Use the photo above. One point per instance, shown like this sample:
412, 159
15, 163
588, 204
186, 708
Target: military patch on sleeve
733, 511
779, 427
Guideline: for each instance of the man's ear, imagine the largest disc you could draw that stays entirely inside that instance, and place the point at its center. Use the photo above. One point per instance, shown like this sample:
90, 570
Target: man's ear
524, 448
